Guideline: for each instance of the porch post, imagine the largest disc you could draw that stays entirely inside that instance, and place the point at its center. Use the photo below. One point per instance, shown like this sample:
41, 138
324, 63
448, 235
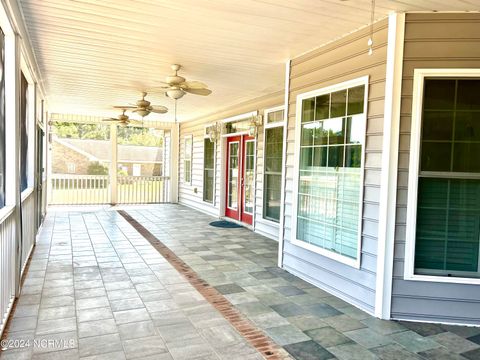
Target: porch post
388, 182
12, 141
113, 165
174, 161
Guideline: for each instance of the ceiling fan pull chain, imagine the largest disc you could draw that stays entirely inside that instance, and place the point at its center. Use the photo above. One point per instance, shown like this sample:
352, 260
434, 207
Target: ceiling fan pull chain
372, 19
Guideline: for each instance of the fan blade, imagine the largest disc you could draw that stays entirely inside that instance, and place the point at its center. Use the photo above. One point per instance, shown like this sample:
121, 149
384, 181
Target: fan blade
162, 84
135, 123
193, 85
158, 109
110, 119
203, 92
124, 107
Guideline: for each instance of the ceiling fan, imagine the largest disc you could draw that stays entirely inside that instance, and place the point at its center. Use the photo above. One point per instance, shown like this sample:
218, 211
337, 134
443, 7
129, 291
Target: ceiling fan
176, 86
143, 107
123, 119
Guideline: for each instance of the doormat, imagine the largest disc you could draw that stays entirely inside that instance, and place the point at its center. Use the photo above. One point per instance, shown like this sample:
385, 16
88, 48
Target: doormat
225, 224
256, 337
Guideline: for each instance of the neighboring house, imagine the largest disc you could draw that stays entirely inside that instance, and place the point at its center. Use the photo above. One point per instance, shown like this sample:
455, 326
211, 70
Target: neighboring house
74, 156
370, 181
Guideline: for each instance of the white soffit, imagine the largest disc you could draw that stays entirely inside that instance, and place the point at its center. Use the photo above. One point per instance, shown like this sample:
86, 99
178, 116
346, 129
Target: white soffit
94, 53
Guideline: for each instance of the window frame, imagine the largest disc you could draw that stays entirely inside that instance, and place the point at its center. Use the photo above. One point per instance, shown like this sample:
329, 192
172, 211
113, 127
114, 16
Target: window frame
414, 172
206, 137
267, 126
355, 263
185, 138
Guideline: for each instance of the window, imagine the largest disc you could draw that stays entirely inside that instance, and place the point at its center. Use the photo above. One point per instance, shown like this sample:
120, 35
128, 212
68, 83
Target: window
330, 170
23, 132
2, 119
71, 168
187, 161
208, 170
137, 170
446, 176
272, 179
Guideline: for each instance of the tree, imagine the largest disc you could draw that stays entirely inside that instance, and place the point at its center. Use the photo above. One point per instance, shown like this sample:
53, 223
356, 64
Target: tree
82, 131
95, 168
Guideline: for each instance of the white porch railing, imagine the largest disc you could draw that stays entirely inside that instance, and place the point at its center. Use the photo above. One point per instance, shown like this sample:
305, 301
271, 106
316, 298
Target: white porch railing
142, 189
7, 268
28, 228
67, 189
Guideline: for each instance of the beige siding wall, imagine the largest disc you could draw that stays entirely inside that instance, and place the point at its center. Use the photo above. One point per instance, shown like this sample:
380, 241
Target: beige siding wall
431, 41
187, 194
342, 60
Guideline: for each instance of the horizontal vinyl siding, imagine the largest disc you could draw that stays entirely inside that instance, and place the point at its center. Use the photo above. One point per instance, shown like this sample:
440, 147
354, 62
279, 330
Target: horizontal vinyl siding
343, 60
187, 195
186, 192
431, 41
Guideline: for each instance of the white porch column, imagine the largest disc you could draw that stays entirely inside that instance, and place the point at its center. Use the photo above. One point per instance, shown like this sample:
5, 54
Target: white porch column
388, 184
174, 161
12, 141
114, 165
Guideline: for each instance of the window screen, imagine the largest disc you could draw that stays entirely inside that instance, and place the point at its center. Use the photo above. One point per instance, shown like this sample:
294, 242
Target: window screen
448, 207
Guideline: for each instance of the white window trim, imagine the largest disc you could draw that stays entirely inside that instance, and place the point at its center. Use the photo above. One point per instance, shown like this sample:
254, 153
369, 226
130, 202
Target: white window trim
298, 121
265, 127
244, 164
276, 123
228, 179
190, 136
32, 120
213, 202
414, 166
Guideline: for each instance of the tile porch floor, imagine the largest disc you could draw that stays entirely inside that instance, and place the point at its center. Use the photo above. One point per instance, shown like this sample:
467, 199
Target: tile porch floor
95, 281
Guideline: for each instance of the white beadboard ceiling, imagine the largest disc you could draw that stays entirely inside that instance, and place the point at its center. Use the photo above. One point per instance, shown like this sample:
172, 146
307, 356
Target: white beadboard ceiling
96, 53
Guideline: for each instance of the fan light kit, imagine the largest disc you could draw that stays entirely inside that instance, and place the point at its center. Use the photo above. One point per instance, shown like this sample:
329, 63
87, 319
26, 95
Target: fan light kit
143, 107
176, 86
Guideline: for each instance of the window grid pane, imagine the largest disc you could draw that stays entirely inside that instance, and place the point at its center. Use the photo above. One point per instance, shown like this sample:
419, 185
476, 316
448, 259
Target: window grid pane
208, 170
187, 163
448, 207
273, 173
330, 171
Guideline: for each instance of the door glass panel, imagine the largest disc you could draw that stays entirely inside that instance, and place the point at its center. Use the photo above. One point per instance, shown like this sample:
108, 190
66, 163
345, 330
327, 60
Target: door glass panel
249, 176
233, 175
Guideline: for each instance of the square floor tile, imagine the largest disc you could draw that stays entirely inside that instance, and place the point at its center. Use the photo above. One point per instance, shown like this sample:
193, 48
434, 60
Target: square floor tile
414, 342
352, 351
454, 343
286, 334
229, 289
308, 350
328, 336
262, 275
289, 290
322, 310
394, 352
289, 309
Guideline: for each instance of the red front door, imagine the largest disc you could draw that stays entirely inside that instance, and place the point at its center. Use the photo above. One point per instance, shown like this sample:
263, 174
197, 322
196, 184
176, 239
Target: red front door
240, 179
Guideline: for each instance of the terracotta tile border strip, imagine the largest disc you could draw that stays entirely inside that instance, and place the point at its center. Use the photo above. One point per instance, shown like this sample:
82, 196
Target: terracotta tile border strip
261, 342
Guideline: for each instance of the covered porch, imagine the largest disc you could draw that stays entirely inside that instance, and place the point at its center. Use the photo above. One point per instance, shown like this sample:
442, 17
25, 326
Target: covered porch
159, 282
